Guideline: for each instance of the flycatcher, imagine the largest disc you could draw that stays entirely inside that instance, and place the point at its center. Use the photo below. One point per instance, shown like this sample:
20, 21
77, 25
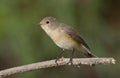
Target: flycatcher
65, 37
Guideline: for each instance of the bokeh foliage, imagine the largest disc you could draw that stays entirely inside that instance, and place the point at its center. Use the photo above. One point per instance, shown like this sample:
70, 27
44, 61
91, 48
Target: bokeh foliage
23, 42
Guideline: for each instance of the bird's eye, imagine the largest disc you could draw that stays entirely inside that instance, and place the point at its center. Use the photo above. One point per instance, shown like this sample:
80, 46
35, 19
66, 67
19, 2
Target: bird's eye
47, 22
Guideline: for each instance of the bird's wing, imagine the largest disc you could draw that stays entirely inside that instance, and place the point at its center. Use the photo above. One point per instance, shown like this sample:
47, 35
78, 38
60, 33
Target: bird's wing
73, 34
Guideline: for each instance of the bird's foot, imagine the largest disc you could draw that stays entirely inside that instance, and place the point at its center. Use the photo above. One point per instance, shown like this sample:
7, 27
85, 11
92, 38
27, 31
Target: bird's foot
70, 62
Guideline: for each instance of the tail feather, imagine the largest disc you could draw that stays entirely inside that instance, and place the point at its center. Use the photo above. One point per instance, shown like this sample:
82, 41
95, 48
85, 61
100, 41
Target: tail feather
87, 52
90, 55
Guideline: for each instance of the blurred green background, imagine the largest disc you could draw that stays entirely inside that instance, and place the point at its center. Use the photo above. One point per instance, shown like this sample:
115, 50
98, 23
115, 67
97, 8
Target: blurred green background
23, 42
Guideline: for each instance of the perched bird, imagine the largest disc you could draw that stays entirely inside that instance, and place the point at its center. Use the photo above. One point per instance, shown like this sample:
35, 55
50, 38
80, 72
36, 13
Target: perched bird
64, 37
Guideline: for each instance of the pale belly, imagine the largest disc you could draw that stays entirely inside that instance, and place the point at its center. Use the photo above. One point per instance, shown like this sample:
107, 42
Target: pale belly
66, 44
64, 41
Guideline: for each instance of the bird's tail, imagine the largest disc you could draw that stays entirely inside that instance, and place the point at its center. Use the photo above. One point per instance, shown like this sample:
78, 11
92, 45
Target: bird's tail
87, 52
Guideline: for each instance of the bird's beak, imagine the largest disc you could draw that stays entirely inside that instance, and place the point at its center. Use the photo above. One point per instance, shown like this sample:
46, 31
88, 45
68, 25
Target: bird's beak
38, 24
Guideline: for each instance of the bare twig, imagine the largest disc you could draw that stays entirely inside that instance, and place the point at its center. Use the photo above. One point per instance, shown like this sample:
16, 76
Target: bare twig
51, 63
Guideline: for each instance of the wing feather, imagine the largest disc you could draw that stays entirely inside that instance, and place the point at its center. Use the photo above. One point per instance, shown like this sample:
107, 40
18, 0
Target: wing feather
73, 34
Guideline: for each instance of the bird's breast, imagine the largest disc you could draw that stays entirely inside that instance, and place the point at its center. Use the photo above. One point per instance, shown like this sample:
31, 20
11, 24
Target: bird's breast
63, 40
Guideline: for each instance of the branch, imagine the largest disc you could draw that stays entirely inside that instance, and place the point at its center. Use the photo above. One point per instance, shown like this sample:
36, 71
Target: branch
51, 63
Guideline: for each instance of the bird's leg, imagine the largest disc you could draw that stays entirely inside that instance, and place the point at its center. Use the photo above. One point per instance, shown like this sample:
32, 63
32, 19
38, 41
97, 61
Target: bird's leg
58, 57
71, 57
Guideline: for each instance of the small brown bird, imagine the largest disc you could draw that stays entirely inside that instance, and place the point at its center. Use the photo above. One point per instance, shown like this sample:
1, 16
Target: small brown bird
65, 37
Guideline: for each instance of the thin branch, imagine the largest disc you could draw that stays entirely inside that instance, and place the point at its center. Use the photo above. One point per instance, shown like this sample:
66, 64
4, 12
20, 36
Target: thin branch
51, 63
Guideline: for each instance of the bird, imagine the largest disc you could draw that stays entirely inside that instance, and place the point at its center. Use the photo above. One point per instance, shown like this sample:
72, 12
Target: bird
65, 37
